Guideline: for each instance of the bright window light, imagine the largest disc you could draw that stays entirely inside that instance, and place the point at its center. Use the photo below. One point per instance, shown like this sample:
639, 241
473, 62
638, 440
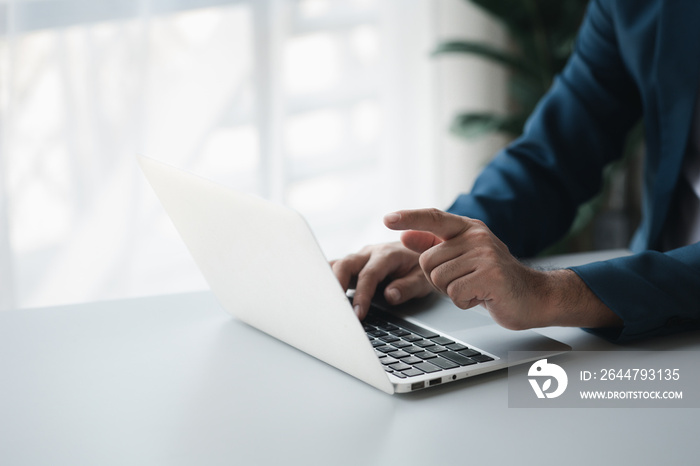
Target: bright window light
298, 101
314, 133
312, 63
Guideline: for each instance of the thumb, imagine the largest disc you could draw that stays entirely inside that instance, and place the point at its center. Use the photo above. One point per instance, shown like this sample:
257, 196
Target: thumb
419, 241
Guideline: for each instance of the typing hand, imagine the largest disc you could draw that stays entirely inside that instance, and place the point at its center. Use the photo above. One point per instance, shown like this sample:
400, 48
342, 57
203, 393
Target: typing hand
375, 264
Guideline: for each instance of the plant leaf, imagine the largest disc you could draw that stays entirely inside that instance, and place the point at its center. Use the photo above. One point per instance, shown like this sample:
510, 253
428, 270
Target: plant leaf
488, 52
514, 14
473, 125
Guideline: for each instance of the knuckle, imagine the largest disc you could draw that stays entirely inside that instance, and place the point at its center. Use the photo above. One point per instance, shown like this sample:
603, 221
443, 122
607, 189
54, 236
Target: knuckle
368, 274
340, 270
480, 235
395, 252
344, 263
390, 255
340, 263
435, 214
366, 249
354, 257
456, 293
478, 223
378, 251
489, 255
453, 293
440, 276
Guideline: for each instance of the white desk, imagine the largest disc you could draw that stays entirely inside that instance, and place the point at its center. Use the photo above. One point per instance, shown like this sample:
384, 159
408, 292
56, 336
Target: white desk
174, 380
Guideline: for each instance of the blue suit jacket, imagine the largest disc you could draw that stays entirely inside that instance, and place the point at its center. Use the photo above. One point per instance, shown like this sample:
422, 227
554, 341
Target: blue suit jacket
633, 59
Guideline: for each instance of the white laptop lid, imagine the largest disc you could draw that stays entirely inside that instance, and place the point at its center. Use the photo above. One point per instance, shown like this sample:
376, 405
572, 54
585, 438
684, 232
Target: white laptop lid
262, 262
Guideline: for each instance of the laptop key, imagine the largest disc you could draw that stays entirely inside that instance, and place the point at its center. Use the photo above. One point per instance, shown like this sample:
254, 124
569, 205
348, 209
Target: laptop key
387, 327
444, 363
412, 372
399, 354
427, 367
426, 355
469, 353
413, 349
399, 366
411, 337
400, 344
436, 349
411, 360
456, 347
423, 343
385, 349
442, 341
389, 338
458, 358
482, 358
398, 374
388, 360
376, 343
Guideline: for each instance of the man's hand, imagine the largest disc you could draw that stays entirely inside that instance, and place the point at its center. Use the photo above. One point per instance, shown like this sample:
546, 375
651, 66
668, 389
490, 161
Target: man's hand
374, 264
463, 259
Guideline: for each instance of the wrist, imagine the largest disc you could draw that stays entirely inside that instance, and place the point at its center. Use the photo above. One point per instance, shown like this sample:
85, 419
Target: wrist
568, 302
546, 305
557, 297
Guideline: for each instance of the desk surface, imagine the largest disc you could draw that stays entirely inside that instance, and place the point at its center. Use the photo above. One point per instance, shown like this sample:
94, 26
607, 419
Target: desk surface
175, 380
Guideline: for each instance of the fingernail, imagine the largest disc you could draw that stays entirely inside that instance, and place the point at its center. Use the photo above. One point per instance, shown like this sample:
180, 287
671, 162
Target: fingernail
357, 310
393, 295
392, 217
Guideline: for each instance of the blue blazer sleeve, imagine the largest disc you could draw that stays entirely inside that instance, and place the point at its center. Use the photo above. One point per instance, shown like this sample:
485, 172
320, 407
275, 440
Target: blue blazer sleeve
654, 293
530, 192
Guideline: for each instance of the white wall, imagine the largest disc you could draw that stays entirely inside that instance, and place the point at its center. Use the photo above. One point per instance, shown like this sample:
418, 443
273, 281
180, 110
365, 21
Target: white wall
462, 83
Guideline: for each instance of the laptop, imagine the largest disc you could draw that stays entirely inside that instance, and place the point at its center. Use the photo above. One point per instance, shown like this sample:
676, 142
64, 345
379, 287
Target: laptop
265, 267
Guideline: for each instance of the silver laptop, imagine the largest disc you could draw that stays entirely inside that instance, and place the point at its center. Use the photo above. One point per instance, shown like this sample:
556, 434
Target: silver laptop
264, 265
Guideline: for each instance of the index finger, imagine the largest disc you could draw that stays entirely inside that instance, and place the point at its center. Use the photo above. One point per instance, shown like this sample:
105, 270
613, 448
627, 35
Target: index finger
443, 225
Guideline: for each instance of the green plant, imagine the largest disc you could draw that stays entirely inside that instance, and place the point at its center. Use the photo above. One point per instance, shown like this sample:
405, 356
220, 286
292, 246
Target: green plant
541, 35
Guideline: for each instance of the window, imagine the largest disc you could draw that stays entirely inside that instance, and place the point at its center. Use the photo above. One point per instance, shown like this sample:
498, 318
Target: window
322, 105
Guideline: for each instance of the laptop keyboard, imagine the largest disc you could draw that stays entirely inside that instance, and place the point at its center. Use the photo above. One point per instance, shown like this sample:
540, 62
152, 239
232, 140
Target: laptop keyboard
409, 350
